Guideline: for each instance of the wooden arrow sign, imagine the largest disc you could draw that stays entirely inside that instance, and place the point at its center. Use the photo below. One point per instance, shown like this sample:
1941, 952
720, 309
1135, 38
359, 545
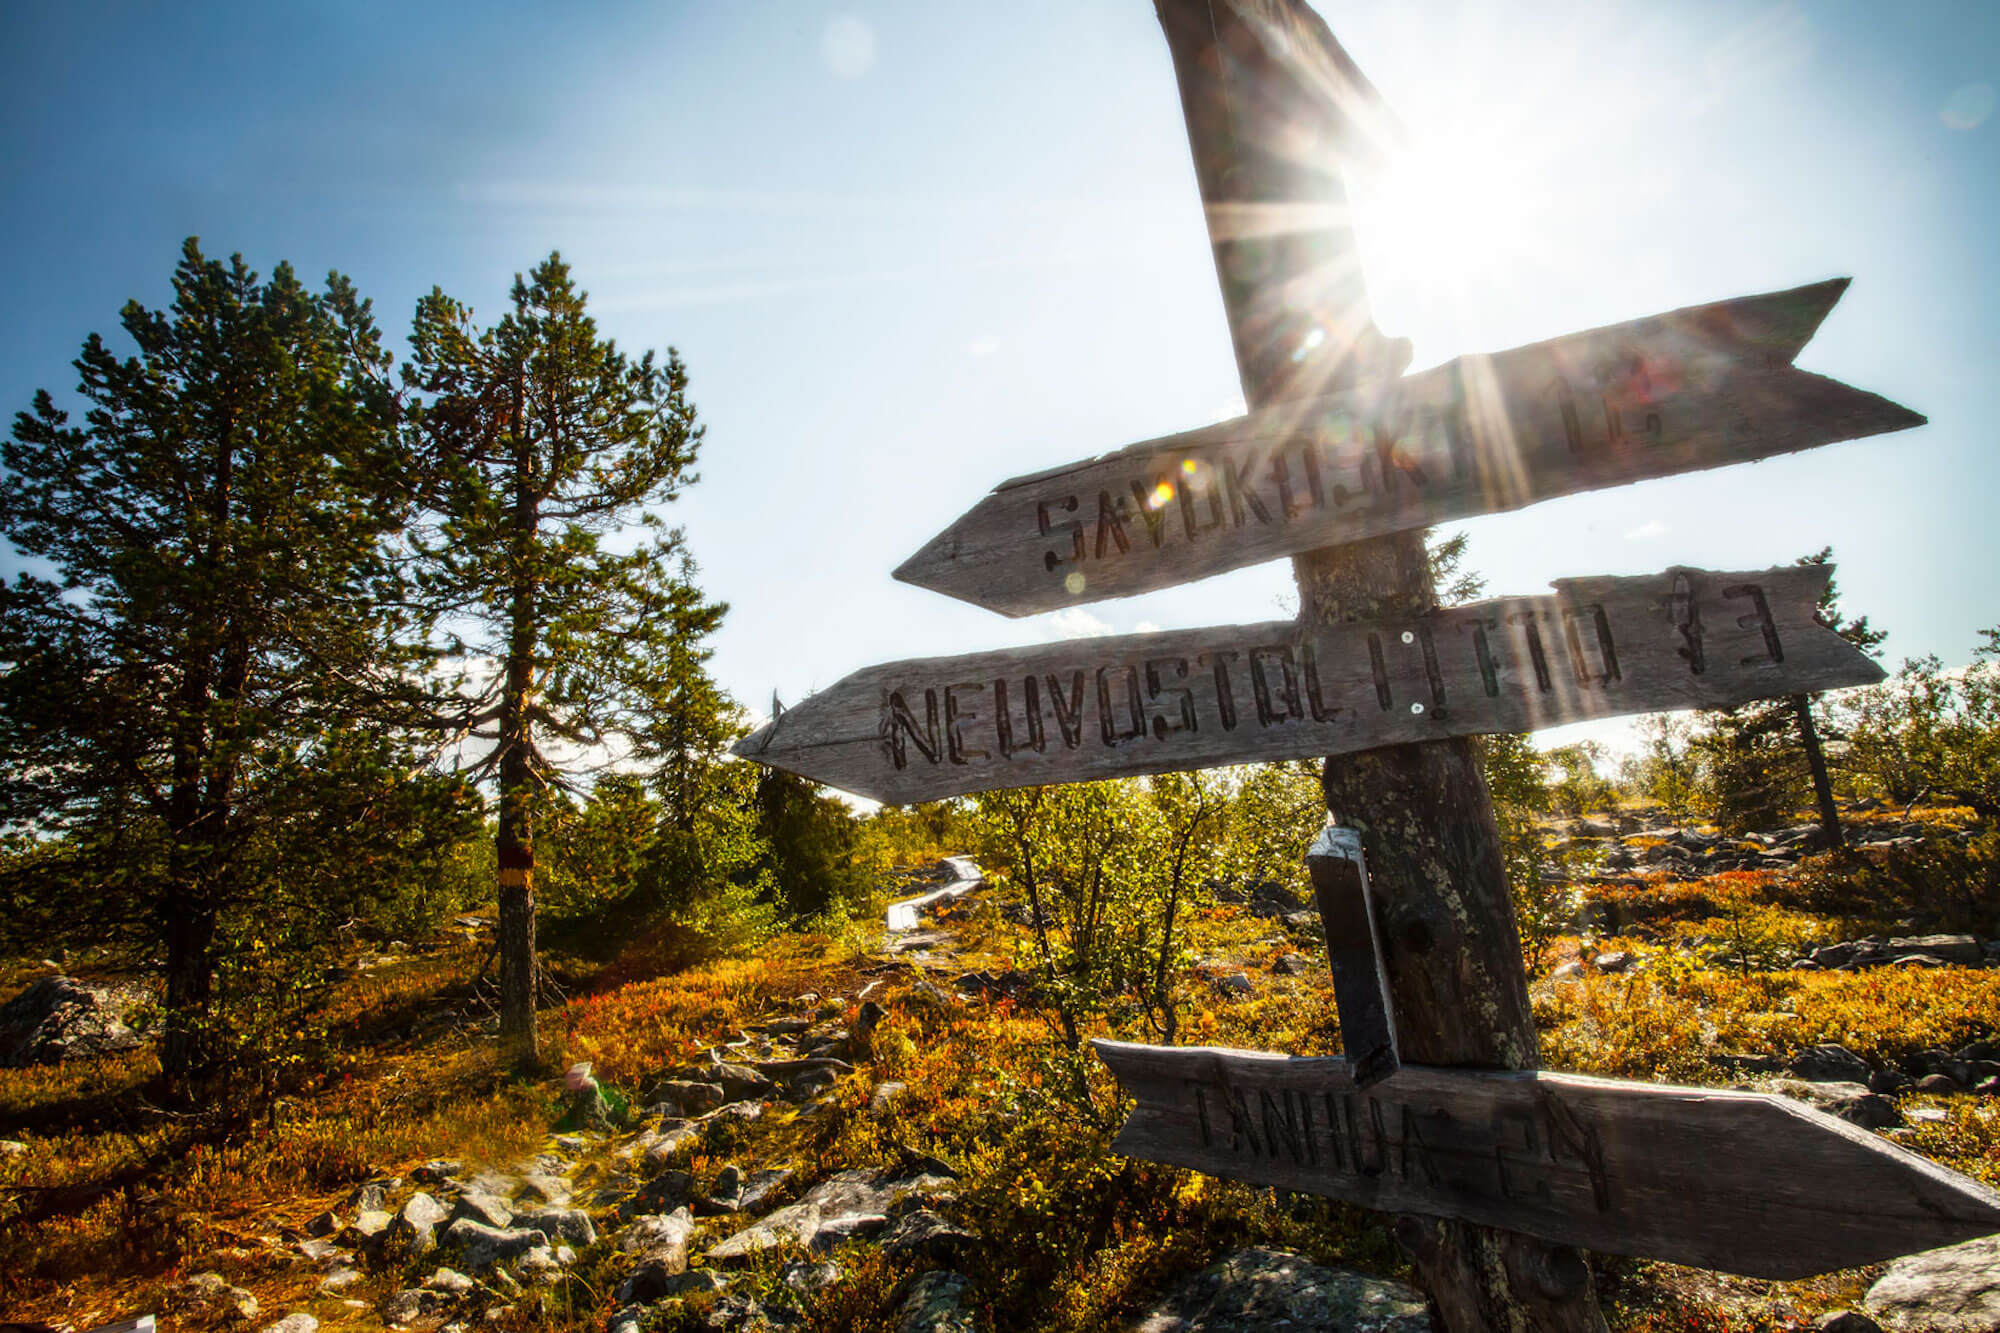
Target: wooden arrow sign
1696, 388
1154, 703
1733, 1181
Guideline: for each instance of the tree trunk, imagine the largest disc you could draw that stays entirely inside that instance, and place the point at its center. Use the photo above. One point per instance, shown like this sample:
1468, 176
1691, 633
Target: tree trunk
1257, 83
1829, 813
187, 1046
513, 840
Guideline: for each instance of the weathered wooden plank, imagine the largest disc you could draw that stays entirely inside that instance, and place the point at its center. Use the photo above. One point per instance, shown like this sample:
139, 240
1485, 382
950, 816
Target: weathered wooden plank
1354, 947
1154, 703
1692, 389
1734, 1181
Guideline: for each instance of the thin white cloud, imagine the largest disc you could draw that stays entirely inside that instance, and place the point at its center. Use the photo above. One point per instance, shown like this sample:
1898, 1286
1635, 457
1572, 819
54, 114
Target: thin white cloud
1073, 622
1648, 530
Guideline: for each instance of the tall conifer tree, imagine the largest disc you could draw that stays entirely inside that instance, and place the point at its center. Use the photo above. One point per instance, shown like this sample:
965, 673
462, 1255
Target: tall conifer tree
555, 444
210, 640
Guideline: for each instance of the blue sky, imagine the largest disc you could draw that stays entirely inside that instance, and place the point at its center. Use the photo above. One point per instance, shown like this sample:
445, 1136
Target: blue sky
909, 250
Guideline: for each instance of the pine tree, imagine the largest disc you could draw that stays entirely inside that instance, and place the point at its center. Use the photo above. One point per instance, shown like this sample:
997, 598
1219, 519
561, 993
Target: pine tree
209, 677
1763, 758
550, 442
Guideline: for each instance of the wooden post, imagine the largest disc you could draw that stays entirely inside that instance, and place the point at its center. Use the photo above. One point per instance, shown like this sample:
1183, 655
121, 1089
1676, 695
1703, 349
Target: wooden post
1272, 105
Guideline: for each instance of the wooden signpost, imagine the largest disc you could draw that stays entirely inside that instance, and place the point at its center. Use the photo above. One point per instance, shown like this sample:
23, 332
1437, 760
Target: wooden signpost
1497, 1169
1734, 1181
1157, 703
1697, 388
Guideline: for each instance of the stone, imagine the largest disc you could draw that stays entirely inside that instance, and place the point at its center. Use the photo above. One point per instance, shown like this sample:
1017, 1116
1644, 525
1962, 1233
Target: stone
666, 1191
1615, 961
449, 1282
413, 1306
296, 1322
861, 1036
436, 1172
485, 1246
1256, 1290
926, 1233
541, 1187
340, 1279
793, 1225
1236, 983
885, 1096
570, 1224
1846, 1321
1890, 1081
1939, 1083
691, 1095
741, 1112
661, 1244
741, 1082
366, 1226
541, 1265
806, 1277
1959, 950
810, 1084
758, 1188
1956, 1288
669, 1145
695, 1282
1852, 1102
935, 1303
212, 1294
323, 1224
414, 1230
876, 1190
1291, 965
486, 1209
744, 1314
837, 1231
371, 1196
60, 1017
13, 1148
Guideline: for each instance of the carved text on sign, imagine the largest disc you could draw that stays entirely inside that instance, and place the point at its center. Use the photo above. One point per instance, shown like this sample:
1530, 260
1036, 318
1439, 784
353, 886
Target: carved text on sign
1692, 389
1183, 699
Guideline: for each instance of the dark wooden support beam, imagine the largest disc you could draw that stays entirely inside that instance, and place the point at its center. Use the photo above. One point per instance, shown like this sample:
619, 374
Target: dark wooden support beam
1273, 105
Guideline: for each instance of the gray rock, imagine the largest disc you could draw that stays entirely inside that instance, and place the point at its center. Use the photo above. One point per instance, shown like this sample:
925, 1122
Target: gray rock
542, 1265
924, 1232
211, 1293
13, 1148
486, 1209
885, 1096
661, 1242
1830, 1064
836, 1231
449, 1282
744, 1314
935, 1303
874, 1190
570, 1224
811, 1084
436, 1172
323, 1224
368, 1224
759, 1188
485, 1246
669, 1145
793, 1225
807, 1277
1956, 1288
1257, 1290
340, 1279
1939, 1083
413, 1305
861, 1037
371, 1195
1962, 950
414, 1229
740, 1082
1236, 983
1846, 1321
666, 1191
1852, 1102
541, 1187
296, 1322
691, 1095
60, 1017
695, 1282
